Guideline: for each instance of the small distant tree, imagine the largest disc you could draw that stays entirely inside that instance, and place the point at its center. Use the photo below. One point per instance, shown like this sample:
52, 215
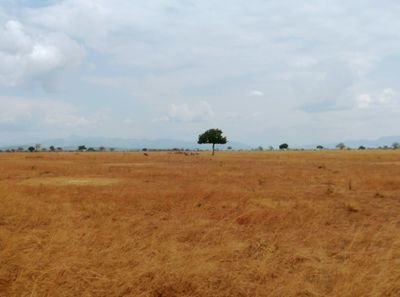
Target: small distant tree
341, 146
102, 149
112, 149
91, 149
52, 148
229, 148
31, 149
212, 136
320, 147
284, 146
396, 145
260, 148
361, 147
82, 148
59, 149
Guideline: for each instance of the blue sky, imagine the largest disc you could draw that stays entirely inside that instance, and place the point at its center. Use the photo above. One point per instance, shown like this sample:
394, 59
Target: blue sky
265, 72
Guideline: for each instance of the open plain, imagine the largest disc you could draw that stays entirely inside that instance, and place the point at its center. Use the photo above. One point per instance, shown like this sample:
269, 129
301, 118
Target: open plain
284, 224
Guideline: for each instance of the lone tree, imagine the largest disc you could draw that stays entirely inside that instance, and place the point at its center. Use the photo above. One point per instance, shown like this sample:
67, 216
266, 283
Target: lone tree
341, 146
212, 136
82, 148
284, 146
31, 149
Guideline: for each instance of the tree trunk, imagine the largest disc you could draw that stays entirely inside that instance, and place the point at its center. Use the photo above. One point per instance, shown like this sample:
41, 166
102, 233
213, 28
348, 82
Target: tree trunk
213, 149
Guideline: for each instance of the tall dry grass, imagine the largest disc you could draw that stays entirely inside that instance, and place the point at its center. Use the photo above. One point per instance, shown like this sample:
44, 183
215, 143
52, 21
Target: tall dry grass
239, 224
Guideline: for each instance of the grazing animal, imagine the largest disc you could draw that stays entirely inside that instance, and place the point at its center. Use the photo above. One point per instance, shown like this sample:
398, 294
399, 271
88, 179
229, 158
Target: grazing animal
146, 154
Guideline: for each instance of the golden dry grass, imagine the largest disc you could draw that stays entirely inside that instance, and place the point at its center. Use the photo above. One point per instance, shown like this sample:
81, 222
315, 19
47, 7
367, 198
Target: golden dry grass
239, 224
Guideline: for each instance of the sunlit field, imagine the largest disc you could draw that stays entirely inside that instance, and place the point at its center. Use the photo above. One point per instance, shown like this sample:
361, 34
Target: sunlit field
170, 224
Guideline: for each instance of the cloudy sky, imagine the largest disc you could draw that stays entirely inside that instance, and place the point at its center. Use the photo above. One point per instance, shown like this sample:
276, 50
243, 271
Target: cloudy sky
264, 71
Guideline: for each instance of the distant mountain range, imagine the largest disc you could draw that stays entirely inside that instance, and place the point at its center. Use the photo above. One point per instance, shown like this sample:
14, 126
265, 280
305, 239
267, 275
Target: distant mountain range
72, 142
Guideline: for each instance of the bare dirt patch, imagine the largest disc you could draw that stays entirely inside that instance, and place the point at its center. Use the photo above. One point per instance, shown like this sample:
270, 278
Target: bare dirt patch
144, 164
71, 181
388, 163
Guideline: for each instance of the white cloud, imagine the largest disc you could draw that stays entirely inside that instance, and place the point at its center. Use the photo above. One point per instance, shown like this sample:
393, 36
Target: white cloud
384, 99
364, 101
128, 121
28, 112
185, 113
304, 62
28, 57
257, 114
256, 93
387, 95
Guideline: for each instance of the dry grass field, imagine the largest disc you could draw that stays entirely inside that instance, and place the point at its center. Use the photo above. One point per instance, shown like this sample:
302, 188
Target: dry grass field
277, 224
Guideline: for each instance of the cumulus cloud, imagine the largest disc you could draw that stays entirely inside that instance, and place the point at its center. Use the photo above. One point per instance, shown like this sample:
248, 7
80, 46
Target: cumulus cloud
386, 97
128, 121
30, 113
256, 93
27, 57
185, 113
364, 101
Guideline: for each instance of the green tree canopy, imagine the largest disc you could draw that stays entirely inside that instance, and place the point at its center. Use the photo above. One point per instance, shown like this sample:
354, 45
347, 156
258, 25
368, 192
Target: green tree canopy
341, 146
284, 146
212, 136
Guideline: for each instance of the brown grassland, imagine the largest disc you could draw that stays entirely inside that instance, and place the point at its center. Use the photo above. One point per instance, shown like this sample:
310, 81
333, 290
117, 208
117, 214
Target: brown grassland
238, 224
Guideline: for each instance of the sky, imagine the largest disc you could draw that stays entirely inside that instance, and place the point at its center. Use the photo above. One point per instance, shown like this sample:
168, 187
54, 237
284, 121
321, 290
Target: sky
263, 71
